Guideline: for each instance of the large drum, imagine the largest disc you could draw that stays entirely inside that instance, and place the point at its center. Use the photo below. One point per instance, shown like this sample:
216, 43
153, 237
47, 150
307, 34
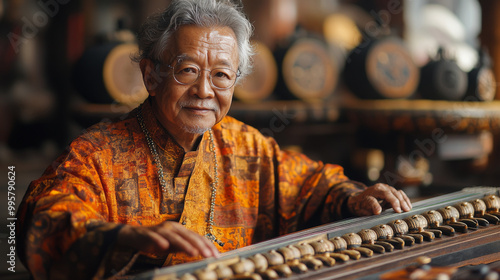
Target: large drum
443, 79
308, 70
260, 84
106, 74
381, 69
481, 80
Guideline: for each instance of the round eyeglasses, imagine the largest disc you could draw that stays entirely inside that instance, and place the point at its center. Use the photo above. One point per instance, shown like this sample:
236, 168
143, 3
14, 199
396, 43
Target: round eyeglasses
188, 74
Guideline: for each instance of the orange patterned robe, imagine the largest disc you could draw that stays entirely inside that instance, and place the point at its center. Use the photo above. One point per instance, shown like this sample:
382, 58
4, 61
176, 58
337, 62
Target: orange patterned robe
70, 217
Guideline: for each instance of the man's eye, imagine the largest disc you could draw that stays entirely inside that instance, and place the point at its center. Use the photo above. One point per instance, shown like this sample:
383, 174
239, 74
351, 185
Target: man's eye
222, 75
188, 70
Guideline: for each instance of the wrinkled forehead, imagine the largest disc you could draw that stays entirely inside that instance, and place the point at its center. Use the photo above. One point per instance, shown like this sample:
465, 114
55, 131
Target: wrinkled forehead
204, 45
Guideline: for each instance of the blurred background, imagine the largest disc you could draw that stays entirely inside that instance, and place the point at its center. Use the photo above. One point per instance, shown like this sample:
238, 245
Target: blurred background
396, 91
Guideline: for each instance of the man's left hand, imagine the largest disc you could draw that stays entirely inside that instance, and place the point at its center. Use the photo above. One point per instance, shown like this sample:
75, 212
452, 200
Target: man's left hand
374, 199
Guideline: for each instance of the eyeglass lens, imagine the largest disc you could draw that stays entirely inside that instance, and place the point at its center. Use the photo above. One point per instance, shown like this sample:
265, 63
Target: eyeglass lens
187, 74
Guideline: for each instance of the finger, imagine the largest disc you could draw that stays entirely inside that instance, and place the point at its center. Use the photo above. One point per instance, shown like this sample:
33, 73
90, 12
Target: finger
157, 242
371, 206
404, 201
358, 205
407, 202
389, 195
142, 239
180, 243
213, 250
188, 241
206, 247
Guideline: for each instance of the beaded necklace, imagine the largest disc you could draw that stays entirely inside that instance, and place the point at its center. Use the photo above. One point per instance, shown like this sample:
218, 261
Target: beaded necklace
163, 182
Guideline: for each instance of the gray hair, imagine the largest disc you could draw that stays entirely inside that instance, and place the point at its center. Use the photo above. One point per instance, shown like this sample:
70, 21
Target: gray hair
158, 29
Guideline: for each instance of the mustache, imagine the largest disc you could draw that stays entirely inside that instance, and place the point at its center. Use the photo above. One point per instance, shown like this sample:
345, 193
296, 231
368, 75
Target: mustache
211, 105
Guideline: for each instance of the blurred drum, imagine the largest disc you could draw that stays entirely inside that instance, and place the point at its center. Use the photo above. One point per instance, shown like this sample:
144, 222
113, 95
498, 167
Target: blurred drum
258, 85
482, 85
381, 69
307, 70
481, 80
107, 74
443, 79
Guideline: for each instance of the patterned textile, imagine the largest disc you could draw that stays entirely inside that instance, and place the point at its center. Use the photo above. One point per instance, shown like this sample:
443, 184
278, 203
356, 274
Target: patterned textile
70, 217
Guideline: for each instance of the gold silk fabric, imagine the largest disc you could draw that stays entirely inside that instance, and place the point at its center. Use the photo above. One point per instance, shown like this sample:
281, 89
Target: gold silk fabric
70, 217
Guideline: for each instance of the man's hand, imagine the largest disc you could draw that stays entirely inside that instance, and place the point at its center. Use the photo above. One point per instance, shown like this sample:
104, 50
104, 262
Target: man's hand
166, 237
377, 197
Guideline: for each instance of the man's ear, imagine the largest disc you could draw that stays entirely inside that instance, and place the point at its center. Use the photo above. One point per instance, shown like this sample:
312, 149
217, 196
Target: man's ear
148, 75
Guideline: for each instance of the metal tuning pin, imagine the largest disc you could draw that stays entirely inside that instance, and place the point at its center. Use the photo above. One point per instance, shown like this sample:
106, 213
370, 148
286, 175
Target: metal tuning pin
354, 242
435, 221
340, 246
369, 237
417, 224
480, 212
451, 216
386, 234
401, 230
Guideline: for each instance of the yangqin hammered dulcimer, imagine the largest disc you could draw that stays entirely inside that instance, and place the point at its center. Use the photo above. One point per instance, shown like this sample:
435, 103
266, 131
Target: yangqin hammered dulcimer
459, 229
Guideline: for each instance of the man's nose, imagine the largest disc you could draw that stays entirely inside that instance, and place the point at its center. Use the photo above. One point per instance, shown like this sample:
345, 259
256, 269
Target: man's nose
204, 85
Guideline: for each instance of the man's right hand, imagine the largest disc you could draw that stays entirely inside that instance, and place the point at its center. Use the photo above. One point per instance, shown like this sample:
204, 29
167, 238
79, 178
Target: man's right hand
167, 237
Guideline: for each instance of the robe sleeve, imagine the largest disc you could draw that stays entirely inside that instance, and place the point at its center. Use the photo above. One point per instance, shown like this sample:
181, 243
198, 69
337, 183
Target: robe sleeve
311, 192
63, 227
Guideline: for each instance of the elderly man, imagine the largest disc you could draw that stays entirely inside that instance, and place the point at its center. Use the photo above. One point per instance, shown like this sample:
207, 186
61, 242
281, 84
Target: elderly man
177, 179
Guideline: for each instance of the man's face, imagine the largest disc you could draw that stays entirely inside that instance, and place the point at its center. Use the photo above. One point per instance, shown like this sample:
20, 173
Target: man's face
195, 108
